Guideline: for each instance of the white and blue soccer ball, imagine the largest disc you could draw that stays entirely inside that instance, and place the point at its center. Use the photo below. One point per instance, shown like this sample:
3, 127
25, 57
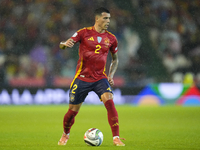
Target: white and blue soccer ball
93, 137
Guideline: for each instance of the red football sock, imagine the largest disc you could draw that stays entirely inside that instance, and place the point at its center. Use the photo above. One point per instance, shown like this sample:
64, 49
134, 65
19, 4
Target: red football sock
112, 117
69, 120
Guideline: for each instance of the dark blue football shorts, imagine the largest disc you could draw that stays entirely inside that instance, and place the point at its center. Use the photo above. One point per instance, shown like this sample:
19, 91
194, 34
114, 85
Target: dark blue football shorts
80, 89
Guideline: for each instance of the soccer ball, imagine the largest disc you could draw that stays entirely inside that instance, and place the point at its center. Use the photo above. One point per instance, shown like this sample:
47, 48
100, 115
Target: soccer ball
93, 137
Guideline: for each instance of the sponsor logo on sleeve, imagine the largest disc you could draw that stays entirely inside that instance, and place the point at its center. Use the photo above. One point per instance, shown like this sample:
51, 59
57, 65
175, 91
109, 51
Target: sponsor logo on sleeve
75, 34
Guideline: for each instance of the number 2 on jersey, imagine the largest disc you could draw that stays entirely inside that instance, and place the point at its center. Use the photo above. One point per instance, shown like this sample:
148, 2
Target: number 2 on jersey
98, 47
74, 88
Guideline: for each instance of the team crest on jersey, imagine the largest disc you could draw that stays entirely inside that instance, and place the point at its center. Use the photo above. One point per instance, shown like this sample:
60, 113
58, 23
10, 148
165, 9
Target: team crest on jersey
99, 39
106, 42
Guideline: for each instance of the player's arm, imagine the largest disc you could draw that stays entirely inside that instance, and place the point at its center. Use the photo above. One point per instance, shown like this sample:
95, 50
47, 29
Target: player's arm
113, 68
76, 37
69, 43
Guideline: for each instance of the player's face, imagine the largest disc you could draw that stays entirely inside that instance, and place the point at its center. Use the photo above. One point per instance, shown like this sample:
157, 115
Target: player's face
104, 20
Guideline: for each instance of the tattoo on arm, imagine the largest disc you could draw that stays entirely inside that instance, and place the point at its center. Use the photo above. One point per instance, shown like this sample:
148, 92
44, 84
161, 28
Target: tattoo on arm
113, 65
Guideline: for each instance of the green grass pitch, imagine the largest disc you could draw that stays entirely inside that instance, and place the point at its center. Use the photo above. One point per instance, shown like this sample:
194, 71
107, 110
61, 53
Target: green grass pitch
39, 127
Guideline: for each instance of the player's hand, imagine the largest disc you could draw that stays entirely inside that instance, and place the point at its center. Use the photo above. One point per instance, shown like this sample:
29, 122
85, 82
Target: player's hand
111, 81
69, 43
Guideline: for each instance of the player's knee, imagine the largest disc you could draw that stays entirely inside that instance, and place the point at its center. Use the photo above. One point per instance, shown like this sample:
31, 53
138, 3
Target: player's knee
106, 96
74, 107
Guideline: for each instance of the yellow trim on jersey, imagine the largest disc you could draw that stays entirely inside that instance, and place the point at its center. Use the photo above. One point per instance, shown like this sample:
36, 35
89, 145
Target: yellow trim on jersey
78, 72
89, 28
111, 34
104, 71
81, 29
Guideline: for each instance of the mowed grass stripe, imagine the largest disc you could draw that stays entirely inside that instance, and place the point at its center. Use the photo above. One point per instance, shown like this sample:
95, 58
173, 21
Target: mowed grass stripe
40, 127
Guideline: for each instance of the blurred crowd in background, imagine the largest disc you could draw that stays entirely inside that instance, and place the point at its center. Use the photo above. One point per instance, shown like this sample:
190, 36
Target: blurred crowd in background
174, 29
31, 30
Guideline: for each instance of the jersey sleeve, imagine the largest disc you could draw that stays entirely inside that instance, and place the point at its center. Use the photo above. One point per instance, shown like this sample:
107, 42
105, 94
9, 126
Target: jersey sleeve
77, 35
114, 47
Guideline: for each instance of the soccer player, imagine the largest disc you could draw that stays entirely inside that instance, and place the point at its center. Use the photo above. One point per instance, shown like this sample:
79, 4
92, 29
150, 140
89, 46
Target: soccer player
95, 43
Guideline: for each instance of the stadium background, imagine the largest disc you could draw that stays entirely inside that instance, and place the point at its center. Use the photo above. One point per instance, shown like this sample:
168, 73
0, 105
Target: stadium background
159, 50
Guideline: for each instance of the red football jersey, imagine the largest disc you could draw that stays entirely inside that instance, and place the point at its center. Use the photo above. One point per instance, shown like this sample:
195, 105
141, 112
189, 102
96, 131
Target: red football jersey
93, 51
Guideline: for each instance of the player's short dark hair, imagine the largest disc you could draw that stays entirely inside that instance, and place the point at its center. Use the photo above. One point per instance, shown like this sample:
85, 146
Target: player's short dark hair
100, 10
